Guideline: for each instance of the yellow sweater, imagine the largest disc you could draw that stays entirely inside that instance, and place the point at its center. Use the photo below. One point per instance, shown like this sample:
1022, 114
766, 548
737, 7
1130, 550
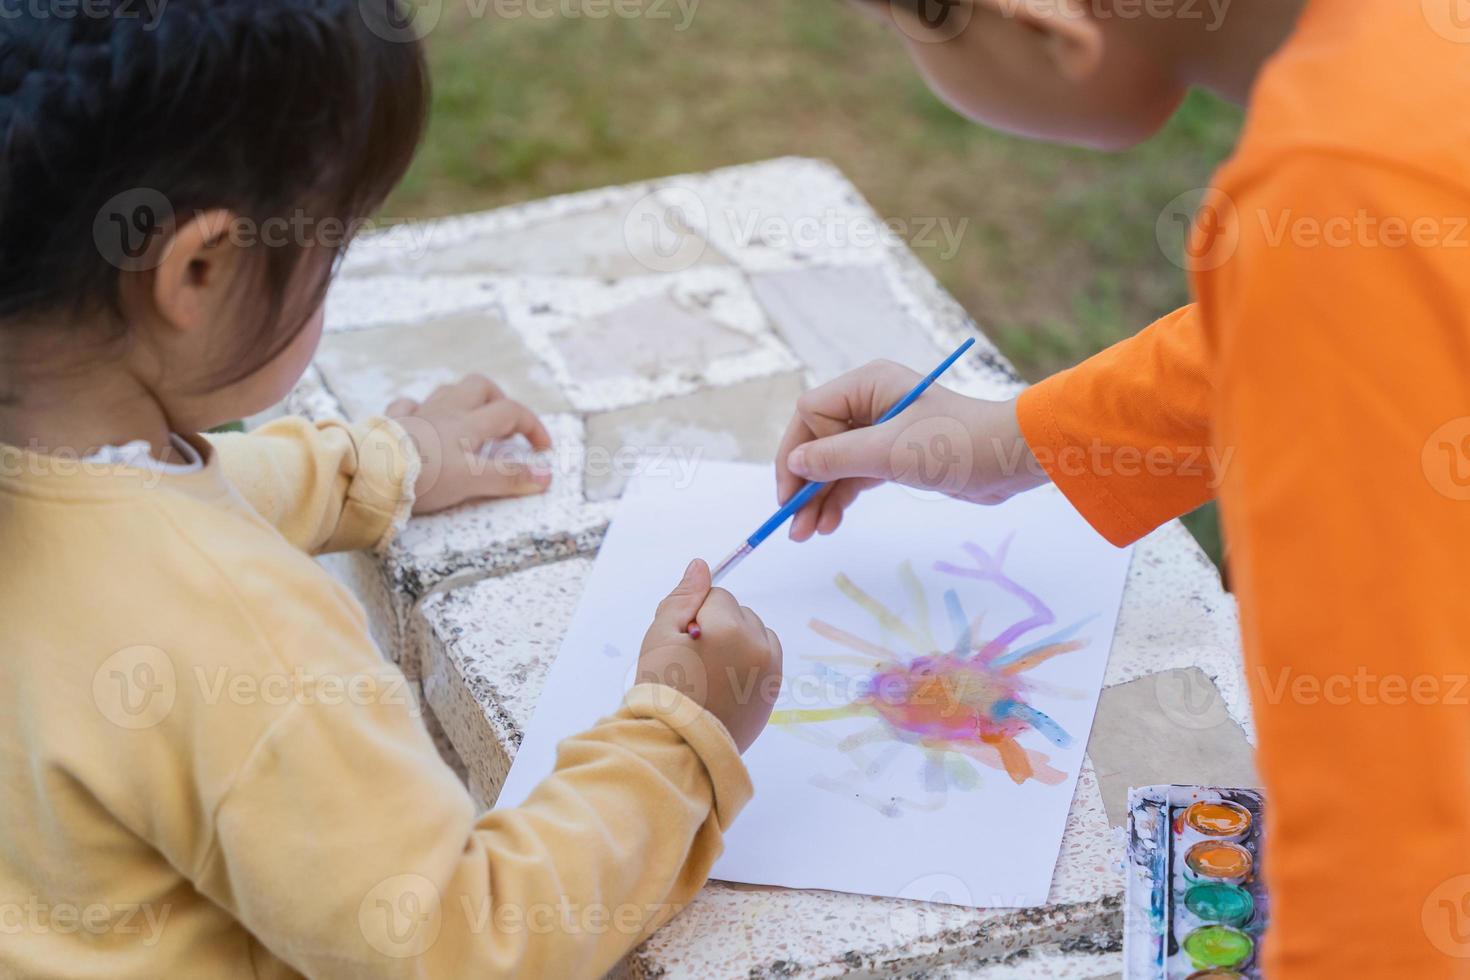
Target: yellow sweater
207, 770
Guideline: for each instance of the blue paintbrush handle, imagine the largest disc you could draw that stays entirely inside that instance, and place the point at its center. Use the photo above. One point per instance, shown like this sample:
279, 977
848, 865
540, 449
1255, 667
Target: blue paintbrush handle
805, 494
803, 497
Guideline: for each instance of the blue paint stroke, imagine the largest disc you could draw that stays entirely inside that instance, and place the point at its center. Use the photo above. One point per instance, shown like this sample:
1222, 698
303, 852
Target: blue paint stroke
958, 620
1038, 720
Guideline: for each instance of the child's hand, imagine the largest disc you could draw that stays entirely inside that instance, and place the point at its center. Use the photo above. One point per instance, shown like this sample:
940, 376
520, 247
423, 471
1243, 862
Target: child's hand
733, 669
964, 447
452, 427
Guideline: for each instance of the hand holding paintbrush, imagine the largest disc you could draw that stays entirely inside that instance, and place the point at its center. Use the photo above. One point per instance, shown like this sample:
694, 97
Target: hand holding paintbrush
832, 442
734, 673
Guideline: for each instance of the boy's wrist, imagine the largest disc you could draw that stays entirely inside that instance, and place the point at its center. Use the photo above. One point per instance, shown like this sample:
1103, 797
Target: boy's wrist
1004, 464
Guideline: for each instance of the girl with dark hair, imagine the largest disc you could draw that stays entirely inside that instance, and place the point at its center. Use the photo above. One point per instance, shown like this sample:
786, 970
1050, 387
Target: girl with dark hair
206, 768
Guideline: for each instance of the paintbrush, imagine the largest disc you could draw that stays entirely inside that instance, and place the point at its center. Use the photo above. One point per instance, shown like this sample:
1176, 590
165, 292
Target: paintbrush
804, 496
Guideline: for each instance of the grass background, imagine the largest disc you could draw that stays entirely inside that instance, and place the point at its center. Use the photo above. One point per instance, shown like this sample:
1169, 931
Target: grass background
1059, 257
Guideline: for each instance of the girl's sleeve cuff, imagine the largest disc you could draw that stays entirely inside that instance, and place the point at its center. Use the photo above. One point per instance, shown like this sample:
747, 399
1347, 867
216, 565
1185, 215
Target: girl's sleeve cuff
381, 494
706, 736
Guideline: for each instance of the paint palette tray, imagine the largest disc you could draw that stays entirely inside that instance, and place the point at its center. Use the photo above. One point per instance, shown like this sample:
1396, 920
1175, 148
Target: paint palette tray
1196, 902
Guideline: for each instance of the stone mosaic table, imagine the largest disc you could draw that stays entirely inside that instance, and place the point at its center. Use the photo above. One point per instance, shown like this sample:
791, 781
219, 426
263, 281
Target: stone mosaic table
673, 321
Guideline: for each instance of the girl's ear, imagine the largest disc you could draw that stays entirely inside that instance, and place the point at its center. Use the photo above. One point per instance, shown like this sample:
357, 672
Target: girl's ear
199, 263
1070, 36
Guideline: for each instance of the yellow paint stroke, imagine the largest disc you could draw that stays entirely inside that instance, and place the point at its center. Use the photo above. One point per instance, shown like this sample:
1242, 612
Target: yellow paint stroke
920, 602
845, 660
880, 612
1041, 656
878, 733
853, 642
800, 716
974, 631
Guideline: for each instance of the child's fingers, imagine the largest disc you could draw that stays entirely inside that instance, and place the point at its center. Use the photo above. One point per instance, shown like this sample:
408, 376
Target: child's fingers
821, 412
777, 654
804, 521
836, 503
720, 611
831, 515
466, 394
751, 620
865, 452
400, 407
829, 440
505, 418
510, 478
680, 607
857, 398
787, 482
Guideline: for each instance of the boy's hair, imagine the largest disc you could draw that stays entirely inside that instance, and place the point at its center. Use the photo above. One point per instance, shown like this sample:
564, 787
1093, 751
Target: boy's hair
118, 118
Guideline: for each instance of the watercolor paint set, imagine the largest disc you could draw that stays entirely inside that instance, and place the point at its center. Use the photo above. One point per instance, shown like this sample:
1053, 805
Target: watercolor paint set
1196, 901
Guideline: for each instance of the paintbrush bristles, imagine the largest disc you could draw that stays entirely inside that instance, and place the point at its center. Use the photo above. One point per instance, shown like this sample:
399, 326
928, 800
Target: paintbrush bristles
724, 568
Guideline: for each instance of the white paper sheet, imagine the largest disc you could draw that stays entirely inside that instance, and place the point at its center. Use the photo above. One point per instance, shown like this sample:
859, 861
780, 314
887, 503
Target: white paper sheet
898, 793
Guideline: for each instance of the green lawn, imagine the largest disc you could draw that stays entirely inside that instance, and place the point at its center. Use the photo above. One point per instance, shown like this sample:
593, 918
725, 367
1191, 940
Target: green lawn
1059, 256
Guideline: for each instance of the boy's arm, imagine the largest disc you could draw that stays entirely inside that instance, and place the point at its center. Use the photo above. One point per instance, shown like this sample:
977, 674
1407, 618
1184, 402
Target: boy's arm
1125, 434
1345, 392
350, 850
327, 486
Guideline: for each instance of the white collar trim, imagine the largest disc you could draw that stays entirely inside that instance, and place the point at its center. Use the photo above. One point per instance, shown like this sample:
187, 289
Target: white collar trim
139, 455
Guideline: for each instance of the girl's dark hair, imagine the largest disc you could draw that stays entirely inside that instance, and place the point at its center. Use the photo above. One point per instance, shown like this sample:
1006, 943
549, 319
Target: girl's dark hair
115, 122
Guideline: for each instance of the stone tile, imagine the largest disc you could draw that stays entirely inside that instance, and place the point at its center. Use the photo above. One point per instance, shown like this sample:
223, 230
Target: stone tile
614, 344
1169, 727
837, 319
609, 232
822, 221
841, 317
1090, 865
609, 243
984, 372
775, 214
368, 368
648, 338
1176, 614
750, 931
781, 214
1073, 960
356, 304
309, 399
495, 640
738, 422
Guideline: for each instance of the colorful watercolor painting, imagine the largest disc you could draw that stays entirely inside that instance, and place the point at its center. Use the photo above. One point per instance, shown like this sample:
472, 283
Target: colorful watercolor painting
921, 721
958, 703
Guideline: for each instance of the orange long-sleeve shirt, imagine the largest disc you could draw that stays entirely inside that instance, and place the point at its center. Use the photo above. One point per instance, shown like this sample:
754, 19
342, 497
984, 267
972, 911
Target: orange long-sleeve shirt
1322, 383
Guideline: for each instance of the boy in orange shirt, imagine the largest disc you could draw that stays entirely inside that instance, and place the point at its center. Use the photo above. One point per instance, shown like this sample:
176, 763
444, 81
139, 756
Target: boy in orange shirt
1324, 370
